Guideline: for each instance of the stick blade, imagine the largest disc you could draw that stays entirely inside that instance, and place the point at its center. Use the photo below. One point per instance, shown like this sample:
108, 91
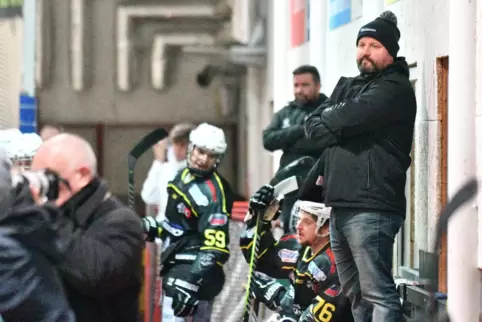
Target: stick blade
146, 142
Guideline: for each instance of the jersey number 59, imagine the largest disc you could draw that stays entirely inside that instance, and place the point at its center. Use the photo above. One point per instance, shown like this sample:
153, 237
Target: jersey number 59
216, 238
323, 310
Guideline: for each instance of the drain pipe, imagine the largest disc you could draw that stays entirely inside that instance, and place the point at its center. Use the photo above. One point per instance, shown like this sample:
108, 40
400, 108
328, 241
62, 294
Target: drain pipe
478, 121
77, 44
463, 277
159, 53
125, 15
43, 45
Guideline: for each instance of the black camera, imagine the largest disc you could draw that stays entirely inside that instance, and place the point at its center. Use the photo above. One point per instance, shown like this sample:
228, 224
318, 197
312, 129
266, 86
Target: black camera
47, 182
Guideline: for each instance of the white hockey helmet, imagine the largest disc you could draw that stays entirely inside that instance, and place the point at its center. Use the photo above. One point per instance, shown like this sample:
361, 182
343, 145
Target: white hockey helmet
209, 138
316, 209
20, 148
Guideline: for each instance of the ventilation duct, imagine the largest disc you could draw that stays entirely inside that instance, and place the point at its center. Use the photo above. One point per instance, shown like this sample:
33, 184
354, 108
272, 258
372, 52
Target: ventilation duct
125, 16
159, 53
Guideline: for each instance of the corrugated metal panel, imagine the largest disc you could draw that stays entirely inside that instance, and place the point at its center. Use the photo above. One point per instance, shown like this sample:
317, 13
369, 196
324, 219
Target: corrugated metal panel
11, 36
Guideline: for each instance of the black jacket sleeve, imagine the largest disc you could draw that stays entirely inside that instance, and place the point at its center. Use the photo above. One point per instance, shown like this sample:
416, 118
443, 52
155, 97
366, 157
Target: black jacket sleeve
305, 146
379, 106
312, 187
316, 130
277, 138
104, 257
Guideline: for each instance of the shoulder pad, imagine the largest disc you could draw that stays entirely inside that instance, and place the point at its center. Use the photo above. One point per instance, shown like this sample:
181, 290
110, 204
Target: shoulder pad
322, 265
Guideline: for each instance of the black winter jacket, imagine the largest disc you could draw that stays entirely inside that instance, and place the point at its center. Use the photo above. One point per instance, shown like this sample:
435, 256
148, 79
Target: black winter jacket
286, 132
102, 264
367, 128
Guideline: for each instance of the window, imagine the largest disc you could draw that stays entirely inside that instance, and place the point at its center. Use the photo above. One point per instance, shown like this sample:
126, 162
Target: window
405, 247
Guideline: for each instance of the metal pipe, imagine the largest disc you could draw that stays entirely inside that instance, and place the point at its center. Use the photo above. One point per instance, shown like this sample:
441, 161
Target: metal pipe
159, 53
125, 14
40, 48
77, 48
282, 93
318, 30
463, 276
478, 119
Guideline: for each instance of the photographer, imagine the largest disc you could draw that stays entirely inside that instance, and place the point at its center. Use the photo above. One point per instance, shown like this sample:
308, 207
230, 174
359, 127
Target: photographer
102, 239
30, 288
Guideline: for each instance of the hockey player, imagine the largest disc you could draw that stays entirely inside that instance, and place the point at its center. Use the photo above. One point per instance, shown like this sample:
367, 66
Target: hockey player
195, 232
305, 259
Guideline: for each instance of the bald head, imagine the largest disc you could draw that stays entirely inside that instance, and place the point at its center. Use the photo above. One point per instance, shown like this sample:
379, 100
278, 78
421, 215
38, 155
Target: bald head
70, 156
69, 149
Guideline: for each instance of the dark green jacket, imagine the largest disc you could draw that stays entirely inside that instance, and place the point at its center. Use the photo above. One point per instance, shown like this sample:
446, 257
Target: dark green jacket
286, 132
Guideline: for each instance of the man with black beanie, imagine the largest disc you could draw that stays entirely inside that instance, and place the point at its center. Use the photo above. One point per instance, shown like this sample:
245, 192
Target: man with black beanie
366, 128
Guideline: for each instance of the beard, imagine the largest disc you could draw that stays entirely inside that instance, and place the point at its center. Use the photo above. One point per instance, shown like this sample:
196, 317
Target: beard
370, 69
302, 100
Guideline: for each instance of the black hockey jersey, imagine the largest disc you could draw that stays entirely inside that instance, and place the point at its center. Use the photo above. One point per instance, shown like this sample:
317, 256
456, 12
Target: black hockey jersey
196, 228
316, 292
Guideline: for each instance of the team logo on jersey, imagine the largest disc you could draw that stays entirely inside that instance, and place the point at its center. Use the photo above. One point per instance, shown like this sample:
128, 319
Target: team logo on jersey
288, 256
199, 198
182, 209
206, 259
317, 273
286, 123
218, 220
333, 291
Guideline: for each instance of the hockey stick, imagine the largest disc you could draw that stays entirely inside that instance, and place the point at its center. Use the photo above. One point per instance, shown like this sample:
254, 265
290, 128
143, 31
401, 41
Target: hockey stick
282, 188
139, 149
297, 167
465, 194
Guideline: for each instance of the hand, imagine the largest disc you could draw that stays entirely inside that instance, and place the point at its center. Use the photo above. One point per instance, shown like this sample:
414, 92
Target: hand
184, 301
36, 196
262, 198
267, 290
160, 150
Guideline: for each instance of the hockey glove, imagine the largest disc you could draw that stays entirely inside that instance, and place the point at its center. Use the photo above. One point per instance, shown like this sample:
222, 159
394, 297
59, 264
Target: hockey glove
263, 204
268, 291
184, 300
262, 198
150, 227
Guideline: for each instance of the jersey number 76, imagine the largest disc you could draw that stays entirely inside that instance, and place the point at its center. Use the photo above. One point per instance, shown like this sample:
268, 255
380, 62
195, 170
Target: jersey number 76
323, 310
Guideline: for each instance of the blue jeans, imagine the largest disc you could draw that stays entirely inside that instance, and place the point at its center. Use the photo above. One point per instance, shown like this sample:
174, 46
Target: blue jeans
362, 243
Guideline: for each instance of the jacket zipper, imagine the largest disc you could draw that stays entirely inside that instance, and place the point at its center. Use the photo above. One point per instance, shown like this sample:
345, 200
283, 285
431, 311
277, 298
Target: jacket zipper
368, 171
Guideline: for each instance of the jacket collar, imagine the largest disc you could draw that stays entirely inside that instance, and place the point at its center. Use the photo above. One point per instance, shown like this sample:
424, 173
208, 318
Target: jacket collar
83, 204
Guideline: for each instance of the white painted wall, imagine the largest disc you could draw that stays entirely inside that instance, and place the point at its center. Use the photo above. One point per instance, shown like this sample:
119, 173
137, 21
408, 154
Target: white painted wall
11, 46
424, 31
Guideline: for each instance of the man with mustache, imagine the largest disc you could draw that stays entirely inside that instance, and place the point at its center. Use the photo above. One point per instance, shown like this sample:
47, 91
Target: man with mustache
366, 128
286, 130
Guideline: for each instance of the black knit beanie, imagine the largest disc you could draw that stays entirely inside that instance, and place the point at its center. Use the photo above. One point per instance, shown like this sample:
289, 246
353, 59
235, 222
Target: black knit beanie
385, 30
